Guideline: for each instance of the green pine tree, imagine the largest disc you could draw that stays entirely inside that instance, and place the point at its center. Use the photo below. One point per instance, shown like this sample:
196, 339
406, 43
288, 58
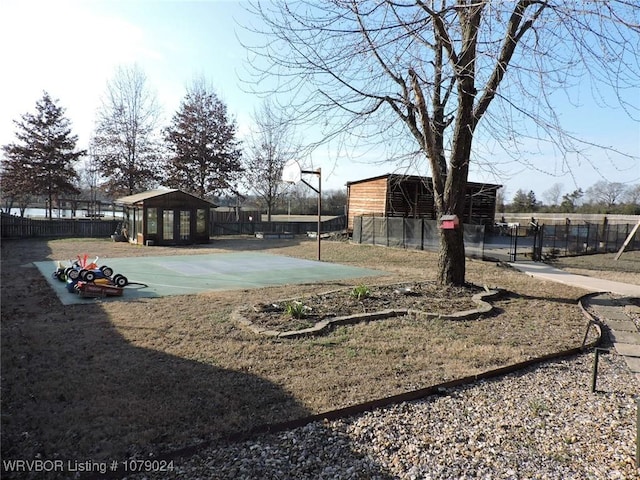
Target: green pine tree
42, 161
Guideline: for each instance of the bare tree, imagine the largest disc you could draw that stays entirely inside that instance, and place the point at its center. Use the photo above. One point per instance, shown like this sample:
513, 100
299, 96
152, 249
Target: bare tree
299, 200
632, 194
126, 139
553, 194
270, 145
356, 67
606, 193
90, 178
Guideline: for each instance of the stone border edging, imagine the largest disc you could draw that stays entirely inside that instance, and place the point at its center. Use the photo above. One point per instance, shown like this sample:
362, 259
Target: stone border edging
345, 412
483, 308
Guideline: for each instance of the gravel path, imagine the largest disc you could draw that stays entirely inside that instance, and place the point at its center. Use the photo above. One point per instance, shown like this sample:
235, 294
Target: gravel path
541, 423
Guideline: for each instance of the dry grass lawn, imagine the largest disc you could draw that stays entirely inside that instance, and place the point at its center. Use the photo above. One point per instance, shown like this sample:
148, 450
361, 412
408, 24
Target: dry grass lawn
115, 379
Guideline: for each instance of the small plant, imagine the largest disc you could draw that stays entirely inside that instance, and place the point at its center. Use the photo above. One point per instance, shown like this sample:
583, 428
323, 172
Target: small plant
360, 292
295, 309
538, 407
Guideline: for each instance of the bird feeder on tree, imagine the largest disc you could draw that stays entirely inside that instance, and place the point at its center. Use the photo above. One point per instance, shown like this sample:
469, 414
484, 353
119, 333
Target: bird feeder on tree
449, 222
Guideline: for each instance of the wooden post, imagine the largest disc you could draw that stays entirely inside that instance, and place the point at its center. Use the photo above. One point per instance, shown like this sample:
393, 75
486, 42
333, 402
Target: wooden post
628, 240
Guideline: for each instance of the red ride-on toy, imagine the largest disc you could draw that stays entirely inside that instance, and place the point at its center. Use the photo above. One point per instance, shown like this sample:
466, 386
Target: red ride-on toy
89, 280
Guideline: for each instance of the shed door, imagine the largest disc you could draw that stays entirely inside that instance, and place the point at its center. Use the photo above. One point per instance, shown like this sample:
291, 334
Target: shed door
176, 227
184, 226
168, 227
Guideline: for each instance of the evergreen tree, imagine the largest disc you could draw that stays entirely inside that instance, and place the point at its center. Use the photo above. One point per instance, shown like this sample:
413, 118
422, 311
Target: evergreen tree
524, 202
42, 161
570, 201
205, 155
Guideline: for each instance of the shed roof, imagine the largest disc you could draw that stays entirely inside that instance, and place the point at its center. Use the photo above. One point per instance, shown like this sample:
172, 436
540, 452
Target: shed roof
399, 176
141, 197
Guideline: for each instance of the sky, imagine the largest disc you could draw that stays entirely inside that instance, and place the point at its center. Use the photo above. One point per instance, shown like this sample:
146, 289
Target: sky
72, 48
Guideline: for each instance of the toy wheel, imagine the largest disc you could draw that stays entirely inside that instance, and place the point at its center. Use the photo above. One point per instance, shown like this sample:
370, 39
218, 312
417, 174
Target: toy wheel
89, 276
73, 274
120, 280
106, 271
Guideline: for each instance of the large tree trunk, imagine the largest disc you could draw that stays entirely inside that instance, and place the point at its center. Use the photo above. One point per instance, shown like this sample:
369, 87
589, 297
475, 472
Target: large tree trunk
451, 260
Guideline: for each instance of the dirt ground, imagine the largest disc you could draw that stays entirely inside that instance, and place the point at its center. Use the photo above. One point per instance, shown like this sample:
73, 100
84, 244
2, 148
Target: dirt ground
110, 380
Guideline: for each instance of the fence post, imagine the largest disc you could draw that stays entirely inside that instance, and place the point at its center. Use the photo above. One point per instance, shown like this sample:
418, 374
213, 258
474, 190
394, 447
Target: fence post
386, 228
404, 234
373, 230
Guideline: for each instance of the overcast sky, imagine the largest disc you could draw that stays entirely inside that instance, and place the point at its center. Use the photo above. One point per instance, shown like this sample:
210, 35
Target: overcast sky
71, 49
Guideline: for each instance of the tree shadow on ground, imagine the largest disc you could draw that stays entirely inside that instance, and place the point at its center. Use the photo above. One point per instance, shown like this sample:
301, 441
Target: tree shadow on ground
521, 296
74, 389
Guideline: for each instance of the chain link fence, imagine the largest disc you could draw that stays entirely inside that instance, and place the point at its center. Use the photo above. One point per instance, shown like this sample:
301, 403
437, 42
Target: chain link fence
414, 233
509, 243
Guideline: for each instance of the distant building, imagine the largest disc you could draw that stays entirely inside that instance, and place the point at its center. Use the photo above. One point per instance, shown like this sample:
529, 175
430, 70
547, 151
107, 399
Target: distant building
394, 195
166, 217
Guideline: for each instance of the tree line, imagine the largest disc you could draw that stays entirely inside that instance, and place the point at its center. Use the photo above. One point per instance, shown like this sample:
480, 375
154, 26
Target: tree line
601, 197
130, 152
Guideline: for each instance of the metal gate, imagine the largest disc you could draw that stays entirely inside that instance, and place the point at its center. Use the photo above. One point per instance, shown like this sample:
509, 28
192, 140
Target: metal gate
513, 242
526, 242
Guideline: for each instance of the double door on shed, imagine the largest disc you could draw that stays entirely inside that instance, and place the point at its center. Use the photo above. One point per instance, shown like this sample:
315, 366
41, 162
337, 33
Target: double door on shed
176, 226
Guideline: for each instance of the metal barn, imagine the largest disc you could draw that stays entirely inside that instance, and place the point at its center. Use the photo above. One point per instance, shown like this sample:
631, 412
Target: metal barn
394, 195
166, 217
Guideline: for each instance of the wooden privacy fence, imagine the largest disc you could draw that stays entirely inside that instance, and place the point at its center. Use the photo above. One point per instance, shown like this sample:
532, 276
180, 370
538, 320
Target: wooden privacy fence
295, 228
21, 227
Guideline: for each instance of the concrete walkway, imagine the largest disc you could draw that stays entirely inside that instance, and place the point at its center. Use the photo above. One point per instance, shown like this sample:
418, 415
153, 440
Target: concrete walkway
542, 270
612, 305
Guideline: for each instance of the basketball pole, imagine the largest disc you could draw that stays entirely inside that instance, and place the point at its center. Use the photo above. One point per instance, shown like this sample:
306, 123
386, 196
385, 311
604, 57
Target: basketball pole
318, 190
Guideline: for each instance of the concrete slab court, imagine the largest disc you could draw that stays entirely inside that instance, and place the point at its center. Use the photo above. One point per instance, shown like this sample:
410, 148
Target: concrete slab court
190, 274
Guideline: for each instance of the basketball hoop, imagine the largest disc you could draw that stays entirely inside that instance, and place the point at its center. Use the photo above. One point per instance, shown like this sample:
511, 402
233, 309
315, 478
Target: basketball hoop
291, 172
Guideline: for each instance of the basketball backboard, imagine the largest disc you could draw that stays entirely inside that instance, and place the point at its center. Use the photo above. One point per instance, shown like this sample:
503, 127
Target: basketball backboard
291, 172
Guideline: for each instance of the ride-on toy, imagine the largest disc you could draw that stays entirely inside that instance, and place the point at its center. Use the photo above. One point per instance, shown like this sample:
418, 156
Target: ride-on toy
88, 280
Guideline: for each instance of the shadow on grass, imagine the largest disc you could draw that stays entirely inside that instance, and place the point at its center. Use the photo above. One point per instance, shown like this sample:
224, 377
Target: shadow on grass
74, 389
519, 296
